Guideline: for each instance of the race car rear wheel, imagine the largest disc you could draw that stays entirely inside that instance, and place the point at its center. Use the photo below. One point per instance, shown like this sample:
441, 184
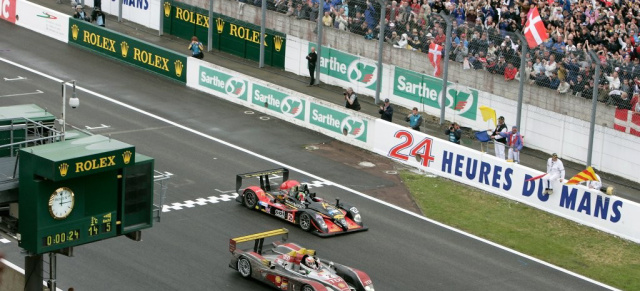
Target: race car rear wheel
305, 221
307, 288
250, 199
244, 267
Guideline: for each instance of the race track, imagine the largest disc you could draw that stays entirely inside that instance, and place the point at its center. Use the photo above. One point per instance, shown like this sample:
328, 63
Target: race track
205, 142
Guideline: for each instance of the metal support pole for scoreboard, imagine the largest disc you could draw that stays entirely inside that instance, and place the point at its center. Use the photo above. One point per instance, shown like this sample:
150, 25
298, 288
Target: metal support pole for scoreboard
52, 271
263, 23
33, 273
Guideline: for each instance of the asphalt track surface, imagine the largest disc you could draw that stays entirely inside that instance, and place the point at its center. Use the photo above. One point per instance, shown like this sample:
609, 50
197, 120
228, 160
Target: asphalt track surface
188, 250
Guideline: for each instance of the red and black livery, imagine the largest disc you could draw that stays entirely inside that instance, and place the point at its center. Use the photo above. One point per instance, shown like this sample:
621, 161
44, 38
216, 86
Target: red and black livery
292, 201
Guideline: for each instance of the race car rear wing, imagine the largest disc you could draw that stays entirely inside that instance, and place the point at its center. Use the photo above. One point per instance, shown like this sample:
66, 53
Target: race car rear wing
258, 239
264, 178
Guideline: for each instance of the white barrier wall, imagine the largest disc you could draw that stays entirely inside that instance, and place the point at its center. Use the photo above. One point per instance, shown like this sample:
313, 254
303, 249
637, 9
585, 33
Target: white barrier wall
484, 171
42, 20
143, 12
543, 129
330, 119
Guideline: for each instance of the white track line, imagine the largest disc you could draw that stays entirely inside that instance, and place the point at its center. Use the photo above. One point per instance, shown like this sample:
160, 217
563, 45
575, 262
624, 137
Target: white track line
314, 176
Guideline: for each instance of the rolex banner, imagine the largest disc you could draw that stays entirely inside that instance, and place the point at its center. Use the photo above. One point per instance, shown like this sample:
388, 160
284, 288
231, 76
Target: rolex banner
229, 35
130, 50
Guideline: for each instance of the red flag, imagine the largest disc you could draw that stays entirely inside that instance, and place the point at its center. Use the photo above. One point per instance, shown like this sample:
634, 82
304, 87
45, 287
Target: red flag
536, 177
534, 30
435, 57
627, 121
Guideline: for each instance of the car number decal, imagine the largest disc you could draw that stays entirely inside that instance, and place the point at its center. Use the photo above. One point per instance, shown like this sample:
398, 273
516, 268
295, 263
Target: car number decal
290, 217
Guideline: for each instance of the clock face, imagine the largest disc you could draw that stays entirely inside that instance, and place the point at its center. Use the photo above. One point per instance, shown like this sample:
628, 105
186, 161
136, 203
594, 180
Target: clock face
61, 203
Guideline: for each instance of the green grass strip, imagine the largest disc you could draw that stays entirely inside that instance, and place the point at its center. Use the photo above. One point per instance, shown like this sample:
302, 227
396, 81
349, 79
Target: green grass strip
564, 243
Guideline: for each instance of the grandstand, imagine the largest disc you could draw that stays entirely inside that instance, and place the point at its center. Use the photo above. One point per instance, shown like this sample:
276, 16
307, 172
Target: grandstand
483, 39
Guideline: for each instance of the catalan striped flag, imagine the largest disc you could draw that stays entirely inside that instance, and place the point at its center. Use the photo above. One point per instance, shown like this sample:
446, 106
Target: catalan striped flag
587, 175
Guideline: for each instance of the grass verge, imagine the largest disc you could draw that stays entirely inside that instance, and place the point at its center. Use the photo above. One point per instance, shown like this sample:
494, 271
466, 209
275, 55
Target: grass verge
564, 243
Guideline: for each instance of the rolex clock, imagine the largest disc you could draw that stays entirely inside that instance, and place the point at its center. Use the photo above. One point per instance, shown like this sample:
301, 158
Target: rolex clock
61, 203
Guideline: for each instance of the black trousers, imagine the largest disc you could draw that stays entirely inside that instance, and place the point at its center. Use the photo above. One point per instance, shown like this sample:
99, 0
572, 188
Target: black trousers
312, 73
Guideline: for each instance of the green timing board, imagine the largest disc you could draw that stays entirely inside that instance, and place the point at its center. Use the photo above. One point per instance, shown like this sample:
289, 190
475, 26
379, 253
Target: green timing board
72, 192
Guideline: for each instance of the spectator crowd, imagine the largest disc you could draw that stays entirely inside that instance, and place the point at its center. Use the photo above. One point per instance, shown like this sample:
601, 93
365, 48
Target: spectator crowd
483, 37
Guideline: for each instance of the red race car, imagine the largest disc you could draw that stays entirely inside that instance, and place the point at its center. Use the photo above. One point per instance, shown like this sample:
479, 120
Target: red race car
293, 202
288, 266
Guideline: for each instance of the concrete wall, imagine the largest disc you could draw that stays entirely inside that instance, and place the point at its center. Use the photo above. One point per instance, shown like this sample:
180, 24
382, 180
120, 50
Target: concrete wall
12, 277
544, 98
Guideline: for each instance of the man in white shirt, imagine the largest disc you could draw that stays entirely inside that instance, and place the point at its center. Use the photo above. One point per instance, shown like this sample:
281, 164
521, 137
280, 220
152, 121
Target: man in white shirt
593, 184
614, 80
555, 171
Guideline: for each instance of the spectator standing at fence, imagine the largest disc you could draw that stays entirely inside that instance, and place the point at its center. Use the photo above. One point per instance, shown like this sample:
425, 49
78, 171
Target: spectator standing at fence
80, 14
460, 51
550, 65
555, 172
386, 110
340, 22
370, 15
301, 12
635, 102
499, 141
312, 58
614, 81
528, 68
578, 85
196, 48
327, 20
351, 99
510, 72
454, 133
414, 119
98, 16
515, 143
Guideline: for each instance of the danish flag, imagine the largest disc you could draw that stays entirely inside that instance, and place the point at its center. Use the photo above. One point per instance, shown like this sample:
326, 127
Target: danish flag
534, 30
627, 121
435, 57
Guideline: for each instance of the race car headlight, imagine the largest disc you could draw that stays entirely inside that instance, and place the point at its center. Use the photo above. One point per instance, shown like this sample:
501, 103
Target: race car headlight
357, 218
369, 288
321, 222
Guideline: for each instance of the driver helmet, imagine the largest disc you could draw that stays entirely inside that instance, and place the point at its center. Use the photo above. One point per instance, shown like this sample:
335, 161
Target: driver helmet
301, 196
288, 185
311, 263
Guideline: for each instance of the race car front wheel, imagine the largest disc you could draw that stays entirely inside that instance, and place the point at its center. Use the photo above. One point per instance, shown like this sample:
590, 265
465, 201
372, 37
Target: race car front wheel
250, 199
244, 267
305, 221
307, 288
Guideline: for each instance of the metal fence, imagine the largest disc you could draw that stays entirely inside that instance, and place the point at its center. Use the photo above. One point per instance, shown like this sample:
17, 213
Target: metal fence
488, 57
